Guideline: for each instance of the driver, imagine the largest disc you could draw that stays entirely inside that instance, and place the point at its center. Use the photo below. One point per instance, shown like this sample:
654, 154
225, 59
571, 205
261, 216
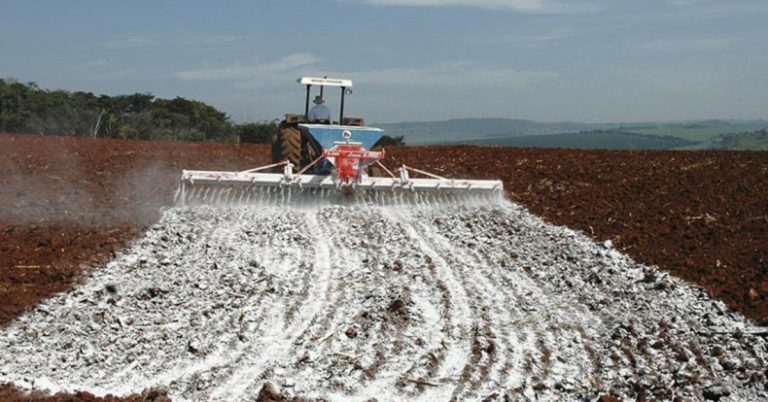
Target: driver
319, 112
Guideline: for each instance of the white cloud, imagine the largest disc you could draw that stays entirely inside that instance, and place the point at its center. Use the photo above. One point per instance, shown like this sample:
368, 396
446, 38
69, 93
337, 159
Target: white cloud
219, 39
101, 70
531, 6
110, 75
531, 40
464, 74
694, 44
449, 74
133, 42
172, 40
251, 74
97, 63
521, 5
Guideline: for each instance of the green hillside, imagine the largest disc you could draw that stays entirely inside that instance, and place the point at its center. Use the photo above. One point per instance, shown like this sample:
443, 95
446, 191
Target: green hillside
600, 139
703, 134
754, 141
455, 130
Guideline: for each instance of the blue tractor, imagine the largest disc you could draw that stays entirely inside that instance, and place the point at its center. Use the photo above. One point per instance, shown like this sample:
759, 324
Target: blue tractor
333, 157
301, 141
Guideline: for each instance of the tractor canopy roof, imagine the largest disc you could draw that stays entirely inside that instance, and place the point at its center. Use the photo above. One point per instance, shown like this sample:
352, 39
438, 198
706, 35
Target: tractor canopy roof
328, 82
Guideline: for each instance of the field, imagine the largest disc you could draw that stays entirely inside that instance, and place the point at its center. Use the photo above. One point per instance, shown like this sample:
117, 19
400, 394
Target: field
610, 139
423, 303
702, 136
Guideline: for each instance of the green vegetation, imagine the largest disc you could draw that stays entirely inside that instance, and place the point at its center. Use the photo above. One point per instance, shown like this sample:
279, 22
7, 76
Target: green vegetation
257, 132
389, 141
705, 134
755, 140
26, 108
702, 134
596, 139
461, 130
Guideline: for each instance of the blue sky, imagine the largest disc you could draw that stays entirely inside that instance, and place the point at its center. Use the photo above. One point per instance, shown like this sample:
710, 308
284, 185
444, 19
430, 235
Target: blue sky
411, 60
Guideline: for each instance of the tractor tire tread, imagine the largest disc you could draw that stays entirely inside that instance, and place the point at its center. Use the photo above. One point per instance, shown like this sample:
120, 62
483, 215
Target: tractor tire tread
289, 145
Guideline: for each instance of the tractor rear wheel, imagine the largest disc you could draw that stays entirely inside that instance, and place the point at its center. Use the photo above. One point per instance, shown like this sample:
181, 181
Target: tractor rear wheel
287, 145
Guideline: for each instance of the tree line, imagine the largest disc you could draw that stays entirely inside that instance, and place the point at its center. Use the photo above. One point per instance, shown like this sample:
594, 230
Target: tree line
748, 140
27, 108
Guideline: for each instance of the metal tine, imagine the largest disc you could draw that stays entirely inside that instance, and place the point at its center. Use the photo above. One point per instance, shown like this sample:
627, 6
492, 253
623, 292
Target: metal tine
189, 194
205, 194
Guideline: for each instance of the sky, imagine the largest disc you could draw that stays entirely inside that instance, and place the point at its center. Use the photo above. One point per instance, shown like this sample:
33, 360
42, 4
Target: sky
410, 60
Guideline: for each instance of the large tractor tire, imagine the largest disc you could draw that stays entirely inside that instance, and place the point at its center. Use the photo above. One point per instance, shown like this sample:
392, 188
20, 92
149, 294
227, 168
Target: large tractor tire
287, 145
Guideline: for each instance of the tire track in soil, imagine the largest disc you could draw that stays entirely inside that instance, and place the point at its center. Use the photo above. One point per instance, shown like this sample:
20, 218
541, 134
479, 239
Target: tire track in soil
341, 351
486, 349
319, 324
425, 366
196, 381
321, 345
283, 336
555, 321
390, 291
483, 349
481, 280
321, 333
296, 333
490, 271
458, 348
559, 325
543, 339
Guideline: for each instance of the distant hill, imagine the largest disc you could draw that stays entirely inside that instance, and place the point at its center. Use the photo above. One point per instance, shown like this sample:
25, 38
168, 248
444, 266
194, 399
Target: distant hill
598, 139
704, 133
477, 130
755, 141
700, 134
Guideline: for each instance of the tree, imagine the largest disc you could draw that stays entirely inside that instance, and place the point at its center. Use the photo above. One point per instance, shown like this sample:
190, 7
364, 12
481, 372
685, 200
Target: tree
30, 109
260, 132
388, 141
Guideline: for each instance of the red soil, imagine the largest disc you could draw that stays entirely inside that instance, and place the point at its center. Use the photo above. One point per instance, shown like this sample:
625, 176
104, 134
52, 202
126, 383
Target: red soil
10, 394
68, 202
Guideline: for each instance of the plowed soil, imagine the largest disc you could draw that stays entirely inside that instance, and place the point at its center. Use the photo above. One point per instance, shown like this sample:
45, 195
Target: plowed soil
702, 216
70, 203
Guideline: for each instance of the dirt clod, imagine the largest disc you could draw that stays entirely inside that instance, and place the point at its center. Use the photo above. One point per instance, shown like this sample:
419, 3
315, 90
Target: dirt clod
398, 307
351, 333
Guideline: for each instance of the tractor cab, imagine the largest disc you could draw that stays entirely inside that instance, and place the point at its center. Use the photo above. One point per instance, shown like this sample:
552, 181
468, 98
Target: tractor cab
346, 89
303, 142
